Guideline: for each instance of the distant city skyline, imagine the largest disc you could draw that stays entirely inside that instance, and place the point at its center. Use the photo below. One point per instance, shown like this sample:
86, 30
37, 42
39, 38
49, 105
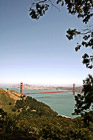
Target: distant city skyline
11, 85
37, 51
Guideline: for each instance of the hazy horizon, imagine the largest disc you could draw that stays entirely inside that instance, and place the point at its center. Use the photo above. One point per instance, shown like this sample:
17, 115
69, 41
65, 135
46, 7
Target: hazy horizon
47, 85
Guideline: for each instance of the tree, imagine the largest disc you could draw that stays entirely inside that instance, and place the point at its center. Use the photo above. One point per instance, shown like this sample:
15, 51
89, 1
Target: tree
83, 9
84, 101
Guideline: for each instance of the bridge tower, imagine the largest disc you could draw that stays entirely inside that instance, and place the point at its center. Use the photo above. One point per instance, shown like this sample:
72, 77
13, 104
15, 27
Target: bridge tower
21, 88
74, 89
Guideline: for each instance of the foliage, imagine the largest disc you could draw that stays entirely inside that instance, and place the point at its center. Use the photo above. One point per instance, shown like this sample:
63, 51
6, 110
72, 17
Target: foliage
87, 42
9, 129
30, 107
2, 113
44, 128
83, 9
85, 102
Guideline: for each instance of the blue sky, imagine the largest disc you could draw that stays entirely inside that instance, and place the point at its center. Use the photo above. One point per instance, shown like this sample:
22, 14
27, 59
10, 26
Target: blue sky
37, 51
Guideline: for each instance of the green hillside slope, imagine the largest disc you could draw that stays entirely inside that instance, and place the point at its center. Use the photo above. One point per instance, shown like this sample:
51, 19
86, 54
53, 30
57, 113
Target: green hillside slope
30, 107
7, 100
29, 119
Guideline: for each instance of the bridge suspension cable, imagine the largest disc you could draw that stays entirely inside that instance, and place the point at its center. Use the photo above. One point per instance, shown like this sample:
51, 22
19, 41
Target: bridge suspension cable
46, 92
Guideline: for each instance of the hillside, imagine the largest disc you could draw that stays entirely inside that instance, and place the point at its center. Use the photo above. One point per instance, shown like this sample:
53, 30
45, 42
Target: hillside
10, 94
30, 107
29, 119
8, 99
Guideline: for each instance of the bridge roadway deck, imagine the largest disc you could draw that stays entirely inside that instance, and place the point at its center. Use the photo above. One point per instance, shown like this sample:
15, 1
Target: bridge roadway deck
52, 92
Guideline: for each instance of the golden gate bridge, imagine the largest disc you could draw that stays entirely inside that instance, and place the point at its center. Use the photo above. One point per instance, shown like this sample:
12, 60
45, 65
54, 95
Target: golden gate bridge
46, 92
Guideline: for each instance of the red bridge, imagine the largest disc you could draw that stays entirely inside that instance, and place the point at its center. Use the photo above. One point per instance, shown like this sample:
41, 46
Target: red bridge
21, 91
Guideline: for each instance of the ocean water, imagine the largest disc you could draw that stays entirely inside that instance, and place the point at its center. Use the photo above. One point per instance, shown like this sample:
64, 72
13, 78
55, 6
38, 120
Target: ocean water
62, 103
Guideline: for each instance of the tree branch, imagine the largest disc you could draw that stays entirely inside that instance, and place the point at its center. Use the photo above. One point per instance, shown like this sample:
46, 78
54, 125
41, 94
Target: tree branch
54, 5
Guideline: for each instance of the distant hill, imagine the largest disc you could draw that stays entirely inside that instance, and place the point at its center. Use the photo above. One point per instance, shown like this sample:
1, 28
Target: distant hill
68, 88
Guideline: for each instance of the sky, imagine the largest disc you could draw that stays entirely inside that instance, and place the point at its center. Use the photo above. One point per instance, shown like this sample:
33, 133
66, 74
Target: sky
37, 51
